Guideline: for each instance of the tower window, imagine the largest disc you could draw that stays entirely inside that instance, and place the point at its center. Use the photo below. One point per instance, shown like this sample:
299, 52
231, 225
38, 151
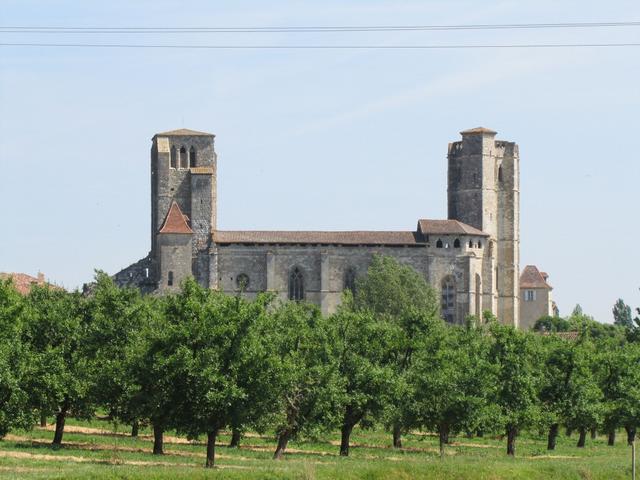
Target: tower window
174, 160
192, 157
296, 285
479, 244
439, 244
170, 279
350, 279
184, 160
456, 243
470, 243
500, 173
529, 295
448, 305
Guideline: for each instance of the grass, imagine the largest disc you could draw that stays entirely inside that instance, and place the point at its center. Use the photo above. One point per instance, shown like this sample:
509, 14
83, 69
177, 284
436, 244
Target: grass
101, 450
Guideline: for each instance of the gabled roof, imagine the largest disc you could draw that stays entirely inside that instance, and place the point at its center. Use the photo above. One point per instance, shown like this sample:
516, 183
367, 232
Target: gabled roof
317, 237
444, 227
471, 131
532, 278
176, 221
184, 132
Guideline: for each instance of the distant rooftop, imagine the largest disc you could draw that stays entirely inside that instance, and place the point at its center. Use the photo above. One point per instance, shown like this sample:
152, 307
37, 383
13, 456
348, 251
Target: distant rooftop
472, 131
532, 278
23, 282
184, 132
447, 227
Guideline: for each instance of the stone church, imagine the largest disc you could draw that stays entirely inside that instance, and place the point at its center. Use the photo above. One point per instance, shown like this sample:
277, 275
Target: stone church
471, 257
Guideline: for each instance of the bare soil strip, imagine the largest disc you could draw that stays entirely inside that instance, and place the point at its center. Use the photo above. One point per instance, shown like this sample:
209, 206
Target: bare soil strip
76, 459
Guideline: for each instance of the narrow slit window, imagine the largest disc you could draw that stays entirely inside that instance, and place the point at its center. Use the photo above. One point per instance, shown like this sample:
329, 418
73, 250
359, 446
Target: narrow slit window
170, 279
192, 157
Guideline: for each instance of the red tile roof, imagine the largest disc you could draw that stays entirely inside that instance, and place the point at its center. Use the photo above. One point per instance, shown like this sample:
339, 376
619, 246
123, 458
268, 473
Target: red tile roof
22, 281
532, 278
176, 221
318, 237
444, 227
478, 130
565, 335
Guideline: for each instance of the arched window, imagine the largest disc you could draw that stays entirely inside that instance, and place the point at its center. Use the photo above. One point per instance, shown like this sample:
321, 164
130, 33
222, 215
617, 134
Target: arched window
448, 304
470, 243
170, 279
500, 173
439, 244
174, 160
479, 244
296, 285
478, 296
184, 160
456, 243
192, 157
242, 282
350, 279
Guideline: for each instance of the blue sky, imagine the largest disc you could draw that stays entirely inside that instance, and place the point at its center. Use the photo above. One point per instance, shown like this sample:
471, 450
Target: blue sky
322, 139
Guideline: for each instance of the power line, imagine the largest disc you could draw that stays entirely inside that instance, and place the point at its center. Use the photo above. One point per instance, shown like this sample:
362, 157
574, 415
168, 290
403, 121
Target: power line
322, 47
310, 29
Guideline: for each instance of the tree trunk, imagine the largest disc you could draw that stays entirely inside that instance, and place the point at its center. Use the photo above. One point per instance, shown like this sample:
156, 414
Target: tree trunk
211, 448
583, 437
480, 434
283, 440
569, 431
553, 435
594, 433
158, 439
235, 438
443, 435
135, 428
611, 437
397, 436
61, 417
631, 434
43, 419
511, 440
344, 441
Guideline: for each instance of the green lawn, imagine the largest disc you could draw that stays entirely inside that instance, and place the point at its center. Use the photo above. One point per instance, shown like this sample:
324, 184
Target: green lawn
104, 451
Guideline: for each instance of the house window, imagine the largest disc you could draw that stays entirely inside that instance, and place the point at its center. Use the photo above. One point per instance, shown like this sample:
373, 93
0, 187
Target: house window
529, 295
448, 304
456, 243
296, 285
192, 157
170, 279
439, 244
184, 160
350, 279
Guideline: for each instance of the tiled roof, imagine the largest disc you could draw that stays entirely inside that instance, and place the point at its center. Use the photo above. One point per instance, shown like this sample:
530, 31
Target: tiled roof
444, 227
565, 335
176, 221
532, 278
22, 281
478, 130
184, 132
202, 170
327, 238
